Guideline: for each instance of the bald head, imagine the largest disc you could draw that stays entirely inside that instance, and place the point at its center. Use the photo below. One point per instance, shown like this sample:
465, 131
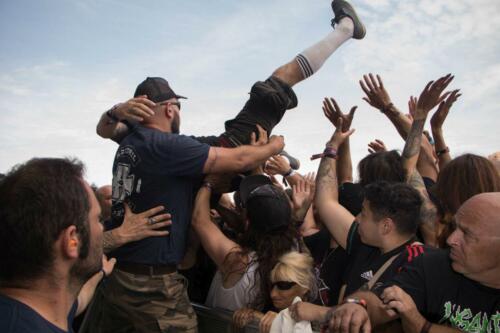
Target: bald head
104, 196
484, 208
475, 244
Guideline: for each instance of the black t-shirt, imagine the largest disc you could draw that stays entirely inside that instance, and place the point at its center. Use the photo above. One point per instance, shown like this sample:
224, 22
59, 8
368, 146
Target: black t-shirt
351, 197
366, 260
446, 297
154, 168
17, 317
330, 264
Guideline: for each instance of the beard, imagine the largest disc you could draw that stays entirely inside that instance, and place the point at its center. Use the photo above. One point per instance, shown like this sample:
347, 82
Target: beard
176, 124
84, 269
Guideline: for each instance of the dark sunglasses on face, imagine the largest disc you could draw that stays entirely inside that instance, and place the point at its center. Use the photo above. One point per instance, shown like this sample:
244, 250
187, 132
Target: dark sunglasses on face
283, 285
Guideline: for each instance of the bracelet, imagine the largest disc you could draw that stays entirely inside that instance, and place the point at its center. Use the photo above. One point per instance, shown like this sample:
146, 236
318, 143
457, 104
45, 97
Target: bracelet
443, 151
426, 328
110, 114
289, 173
358, 301
103, 273
328, 152
209, 186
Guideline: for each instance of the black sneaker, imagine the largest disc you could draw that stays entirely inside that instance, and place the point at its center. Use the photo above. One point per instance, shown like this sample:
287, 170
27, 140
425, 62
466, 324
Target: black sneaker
341, 9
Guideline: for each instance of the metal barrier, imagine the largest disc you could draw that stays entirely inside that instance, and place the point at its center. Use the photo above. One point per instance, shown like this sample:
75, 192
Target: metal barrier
215, 320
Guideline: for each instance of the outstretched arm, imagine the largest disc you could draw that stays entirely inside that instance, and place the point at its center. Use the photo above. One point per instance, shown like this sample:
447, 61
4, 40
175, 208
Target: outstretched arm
332, 111
378, 97
88, 289
243, 158
337, 219
215, 243
431, 93
437, 120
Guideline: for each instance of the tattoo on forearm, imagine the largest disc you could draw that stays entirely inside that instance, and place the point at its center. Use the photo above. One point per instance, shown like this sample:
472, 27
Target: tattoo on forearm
428, 211
109, 241
327, 176
412, 145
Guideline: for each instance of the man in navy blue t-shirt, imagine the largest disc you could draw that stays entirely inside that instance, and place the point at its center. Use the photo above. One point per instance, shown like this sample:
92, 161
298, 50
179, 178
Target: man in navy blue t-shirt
153, 166
50, 246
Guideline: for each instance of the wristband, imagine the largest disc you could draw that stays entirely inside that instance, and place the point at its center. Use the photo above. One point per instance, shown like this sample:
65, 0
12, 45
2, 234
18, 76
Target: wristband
358, 301
289, 173
328, 152
443, 151
110, 114
209, 186
426, 328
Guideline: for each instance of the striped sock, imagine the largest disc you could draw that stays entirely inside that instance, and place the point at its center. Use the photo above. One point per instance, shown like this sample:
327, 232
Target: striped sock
311, 59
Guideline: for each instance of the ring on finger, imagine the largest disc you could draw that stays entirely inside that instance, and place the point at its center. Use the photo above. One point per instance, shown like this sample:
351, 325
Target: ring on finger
151, 220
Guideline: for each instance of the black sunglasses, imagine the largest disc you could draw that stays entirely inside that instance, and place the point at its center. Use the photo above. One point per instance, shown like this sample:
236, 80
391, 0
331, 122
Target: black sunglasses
178, 104
283, 285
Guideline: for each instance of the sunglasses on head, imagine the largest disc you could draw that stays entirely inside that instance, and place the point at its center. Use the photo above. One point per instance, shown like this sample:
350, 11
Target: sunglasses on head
283, 285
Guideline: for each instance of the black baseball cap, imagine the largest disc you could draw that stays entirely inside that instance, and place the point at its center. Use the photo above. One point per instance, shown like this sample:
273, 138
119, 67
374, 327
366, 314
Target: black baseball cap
268, 207
157, 89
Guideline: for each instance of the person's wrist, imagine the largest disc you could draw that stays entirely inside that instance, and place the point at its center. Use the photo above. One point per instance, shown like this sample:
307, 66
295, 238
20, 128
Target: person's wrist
208, 186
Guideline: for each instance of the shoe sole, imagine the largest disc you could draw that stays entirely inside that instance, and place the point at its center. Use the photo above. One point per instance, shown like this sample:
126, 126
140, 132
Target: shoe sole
345, 9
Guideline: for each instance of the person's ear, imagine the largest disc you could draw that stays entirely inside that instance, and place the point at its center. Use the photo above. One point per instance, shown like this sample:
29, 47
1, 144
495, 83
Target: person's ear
70, 242
386, 226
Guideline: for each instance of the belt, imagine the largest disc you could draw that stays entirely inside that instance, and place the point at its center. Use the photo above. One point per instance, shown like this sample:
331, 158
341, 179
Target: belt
143, 269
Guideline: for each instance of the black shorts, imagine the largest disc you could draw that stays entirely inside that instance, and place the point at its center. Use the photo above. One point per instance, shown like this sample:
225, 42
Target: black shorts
266, 106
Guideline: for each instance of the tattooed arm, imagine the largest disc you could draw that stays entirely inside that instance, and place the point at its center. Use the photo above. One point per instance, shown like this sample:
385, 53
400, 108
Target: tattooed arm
336, 218
425, 103
136, 227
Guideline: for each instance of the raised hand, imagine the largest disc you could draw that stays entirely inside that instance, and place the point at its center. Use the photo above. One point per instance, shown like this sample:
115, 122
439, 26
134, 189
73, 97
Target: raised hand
277, 165
135, 109
439, 117
263, 139
376, 146
302, 195
108, 265
431, 96
332, 111
376, 95
339, 136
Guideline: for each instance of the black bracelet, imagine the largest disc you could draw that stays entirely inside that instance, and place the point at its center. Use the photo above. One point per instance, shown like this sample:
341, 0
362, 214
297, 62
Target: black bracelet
426, 328
289, 173
443, 151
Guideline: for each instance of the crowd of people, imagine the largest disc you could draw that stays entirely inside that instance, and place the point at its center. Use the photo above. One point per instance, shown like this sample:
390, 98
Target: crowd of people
229, 221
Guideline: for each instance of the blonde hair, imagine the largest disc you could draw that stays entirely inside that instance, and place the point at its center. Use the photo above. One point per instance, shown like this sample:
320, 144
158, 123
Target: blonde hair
296, 267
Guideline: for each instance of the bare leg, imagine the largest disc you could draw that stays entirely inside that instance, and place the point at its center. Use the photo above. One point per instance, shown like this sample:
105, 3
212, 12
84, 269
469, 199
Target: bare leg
290, 73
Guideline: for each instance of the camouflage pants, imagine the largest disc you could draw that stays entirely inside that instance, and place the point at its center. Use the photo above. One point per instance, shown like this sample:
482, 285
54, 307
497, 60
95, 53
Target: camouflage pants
143, 303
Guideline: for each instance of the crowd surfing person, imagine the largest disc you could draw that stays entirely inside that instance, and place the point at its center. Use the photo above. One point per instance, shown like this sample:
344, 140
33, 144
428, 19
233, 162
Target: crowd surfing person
145, 175
388, 227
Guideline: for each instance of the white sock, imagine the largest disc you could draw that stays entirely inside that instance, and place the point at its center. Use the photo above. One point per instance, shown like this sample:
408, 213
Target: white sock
311, 59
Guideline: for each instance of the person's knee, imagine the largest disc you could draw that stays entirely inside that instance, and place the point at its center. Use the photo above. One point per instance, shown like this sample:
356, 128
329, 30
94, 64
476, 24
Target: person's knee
289, 73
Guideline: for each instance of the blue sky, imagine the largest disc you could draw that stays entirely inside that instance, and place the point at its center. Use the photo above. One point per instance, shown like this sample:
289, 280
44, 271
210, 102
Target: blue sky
62, 63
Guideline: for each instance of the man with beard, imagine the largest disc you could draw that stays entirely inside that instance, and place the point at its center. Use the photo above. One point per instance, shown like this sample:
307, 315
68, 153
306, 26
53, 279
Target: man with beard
50, 246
